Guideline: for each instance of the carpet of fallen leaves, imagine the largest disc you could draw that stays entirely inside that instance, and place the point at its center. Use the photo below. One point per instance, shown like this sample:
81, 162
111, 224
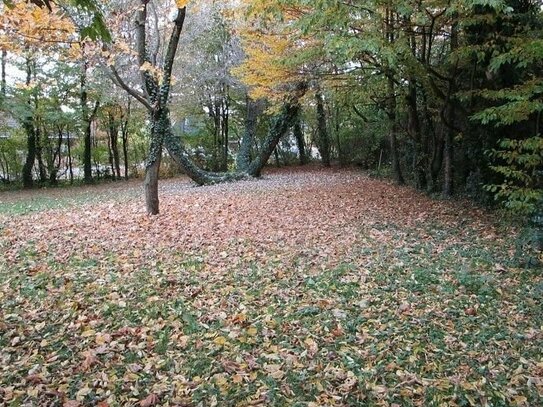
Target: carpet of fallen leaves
304, 288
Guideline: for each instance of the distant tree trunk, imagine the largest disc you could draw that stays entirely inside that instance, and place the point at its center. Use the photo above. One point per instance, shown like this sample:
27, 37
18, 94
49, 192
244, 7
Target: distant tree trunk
113, 144
28, 125
28, 180
110, 157
116, 159
323, 141
39, 154
53, 157
87, 153
338, 138
225, 115
70, 163
3, 73
124, 136
300, 141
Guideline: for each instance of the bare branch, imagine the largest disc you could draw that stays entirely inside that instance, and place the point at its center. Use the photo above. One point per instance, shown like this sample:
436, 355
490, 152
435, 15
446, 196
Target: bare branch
132, 92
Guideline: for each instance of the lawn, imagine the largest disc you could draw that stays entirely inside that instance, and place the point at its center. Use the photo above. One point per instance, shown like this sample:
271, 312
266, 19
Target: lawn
305, 288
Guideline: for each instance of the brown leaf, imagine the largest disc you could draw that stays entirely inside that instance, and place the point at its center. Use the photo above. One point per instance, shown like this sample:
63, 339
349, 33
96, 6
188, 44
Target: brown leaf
35, 379
404, 307
150, 400
90, 360
471, 311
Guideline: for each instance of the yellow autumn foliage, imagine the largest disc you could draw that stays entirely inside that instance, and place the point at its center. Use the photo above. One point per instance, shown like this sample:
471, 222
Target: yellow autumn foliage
181, 3
268, 44
25, 27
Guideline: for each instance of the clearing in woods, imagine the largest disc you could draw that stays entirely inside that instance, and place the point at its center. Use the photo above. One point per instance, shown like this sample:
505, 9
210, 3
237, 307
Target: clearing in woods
306, 288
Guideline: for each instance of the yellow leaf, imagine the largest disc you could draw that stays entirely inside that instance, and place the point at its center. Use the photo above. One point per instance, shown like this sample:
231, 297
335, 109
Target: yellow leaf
88, 332
220, 340
181, 3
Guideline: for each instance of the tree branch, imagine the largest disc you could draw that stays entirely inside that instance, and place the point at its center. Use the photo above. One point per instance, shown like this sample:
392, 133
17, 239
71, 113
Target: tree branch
132, 92
170, 54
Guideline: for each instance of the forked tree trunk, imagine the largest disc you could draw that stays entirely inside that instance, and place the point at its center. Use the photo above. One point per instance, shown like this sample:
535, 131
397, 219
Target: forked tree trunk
155, 98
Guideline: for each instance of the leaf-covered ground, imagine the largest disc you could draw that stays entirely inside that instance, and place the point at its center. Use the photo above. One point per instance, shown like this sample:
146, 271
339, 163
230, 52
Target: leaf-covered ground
305, 288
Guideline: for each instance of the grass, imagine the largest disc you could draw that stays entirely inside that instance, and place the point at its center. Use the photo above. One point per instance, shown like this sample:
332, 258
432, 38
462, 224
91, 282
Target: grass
373, 311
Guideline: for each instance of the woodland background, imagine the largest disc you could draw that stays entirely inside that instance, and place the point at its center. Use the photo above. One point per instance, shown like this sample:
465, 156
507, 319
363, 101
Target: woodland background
442, 95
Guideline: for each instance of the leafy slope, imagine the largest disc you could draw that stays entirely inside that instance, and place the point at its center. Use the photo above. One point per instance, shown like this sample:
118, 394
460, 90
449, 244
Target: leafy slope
306, 288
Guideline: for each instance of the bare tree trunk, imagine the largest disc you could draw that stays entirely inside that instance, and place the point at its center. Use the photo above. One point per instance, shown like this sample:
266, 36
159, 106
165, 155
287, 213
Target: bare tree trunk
224, 129
300, 141
110, 155
115, 150
124, 135
3, 73
70, 163
87, 153
338, 138
28, 125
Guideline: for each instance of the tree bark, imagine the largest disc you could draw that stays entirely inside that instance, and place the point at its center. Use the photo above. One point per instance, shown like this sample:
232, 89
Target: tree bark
243, 159
70, 163
28, 180
28, 125
151, 186
3, 73
124, 135
300, 141
224, 129
87, 153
